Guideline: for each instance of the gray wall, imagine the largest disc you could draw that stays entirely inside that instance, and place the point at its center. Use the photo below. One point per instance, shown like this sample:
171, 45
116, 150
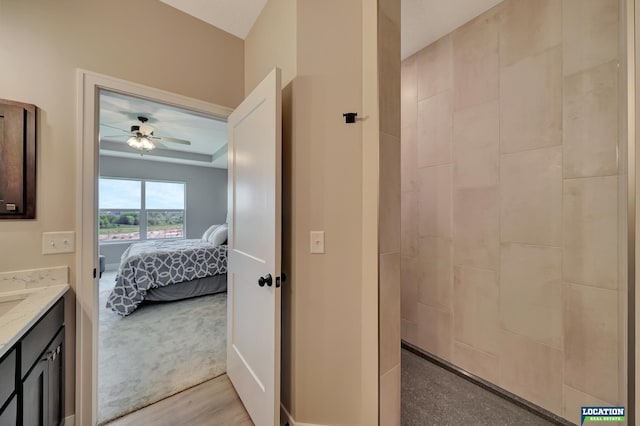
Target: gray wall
206, 193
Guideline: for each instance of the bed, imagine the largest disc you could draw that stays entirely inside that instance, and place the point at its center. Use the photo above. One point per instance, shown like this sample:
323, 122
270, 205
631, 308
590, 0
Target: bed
160, 271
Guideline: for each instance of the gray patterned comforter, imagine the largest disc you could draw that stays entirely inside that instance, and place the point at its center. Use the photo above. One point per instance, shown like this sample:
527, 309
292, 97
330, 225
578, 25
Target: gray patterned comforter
153, 264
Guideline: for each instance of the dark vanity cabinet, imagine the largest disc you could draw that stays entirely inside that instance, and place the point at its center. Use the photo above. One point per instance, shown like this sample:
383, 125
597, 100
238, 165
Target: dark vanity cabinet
9, 416
42, 388
32, 375
17, 160
8, 390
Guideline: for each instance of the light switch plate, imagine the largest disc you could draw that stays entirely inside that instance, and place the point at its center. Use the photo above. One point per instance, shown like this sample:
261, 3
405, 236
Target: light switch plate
58, 242
317, 242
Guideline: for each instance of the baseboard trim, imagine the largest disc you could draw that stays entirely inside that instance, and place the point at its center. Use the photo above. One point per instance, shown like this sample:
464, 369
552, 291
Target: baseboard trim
287, 419
515, 399
70, 420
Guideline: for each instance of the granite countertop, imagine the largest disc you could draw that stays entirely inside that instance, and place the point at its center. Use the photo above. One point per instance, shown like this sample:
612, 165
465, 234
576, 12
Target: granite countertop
34, 292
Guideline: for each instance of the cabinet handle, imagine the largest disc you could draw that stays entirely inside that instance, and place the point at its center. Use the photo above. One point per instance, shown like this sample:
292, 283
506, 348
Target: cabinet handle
50, 356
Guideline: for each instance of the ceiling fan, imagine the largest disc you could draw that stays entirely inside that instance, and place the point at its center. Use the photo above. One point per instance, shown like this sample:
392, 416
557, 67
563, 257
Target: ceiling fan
141, 136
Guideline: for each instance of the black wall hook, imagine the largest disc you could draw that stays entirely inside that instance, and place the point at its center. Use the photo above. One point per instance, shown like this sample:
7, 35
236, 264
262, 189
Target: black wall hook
350, 117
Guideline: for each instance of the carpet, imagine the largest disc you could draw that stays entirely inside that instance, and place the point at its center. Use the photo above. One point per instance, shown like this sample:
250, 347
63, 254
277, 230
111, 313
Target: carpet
157, 351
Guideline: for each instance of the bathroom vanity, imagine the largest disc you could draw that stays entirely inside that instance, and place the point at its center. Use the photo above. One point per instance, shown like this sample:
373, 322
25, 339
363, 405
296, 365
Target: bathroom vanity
32, 351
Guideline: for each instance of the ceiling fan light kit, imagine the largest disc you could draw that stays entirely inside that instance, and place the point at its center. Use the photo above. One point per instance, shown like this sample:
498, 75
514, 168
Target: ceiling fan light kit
141, 143
142, 136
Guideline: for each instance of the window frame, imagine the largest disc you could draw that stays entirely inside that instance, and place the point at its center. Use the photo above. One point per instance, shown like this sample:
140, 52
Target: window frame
144, 211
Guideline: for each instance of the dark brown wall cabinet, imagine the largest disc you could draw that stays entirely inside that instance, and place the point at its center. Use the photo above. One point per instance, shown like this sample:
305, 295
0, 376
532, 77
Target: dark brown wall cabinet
32, 375
17, 160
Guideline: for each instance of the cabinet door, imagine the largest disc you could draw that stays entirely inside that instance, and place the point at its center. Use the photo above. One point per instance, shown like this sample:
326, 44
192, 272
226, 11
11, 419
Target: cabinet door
43, 388
12, 141
35, 390
56, 380
7, 376
9, 416
17, 160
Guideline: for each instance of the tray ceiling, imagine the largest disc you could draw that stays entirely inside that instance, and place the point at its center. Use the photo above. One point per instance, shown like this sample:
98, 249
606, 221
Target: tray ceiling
208, 135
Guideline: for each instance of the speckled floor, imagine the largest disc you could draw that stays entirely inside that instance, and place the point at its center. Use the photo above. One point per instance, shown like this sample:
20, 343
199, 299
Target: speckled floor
432, 395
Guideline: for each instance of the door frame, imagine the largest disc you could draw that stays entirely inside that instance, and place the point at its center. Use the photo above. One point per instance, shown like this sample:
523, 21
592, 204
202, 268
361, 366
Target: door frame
86, 257
632, 295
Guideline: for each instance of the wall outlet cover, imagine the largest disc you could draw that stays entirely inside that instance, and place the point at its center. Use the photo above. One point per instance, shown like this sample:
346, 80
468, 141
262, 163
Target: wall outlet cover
317, 242
58, 242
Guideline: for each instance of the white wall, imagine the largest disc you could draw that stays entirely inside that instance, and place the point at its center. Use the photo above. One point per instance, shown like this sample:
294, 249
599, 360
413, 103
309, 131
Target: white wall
42, 43
272, 42
330, 328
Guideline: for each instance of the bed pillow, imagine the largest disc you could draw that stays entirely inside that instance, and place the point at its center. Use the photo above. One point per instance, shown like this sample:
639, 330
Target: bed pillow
208, 232
219, 235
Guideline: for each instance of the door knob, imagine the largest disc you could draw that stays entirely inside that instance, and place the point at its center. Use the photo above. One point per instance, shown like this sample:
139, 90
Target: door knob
265, 280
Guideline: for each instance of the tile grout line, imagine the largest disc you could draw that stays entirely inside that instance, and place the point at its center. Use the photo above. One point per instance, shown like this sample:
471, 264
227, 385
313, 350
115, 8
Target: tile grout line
499, 198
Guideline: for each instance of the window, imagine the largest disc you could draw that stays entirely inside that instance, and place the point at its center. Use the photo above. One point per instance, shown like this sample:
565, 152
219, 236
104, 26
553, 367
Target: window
132, 209
164, 204
120, 206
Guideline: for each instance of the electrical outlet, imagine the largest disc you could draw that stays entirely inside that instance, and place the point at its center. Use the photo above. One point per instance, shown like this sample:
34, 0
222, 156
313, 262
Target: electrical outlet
58, 242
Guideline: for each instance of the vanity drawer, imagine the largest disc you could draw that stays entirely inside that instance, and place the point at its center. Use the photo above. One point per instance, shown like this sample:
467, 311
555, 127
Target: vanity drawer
38, 338
7, 376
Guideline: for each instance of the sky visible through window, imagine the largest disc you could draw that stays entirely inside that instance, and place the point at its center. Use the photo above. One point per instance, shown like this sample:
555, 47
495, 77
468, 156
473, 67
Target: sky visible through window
120, 194
125, 194
125, 216
164, 196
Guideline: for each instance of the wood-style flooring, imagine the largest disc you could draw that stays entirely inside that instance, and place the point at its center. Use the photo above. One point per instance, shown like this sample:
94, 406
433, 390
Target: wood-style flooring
214, 402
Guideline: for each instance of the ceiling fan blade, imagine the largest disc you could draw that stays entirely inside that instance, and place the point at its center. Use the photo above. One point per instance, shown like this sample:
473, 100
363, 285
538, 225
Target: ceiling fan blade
173, 140
160, 145
114, 136
114, 127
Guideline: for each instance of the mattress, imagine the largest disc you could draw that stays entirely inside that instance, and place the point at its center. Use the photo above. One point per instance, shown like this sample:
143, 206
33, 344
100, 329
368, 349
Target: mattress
152, 265
187, 289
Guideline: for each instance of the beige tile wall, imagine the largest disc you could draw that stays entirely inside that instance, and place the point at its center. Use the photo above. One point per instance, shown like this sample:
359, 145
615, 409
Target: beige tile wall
509, 206
391, 205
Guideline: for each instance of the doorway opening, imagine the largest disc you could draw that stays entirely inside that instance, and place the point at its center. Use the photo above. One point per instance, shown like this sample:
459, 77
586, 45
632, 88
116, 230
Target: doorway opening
162, 212
90, 88
254, 204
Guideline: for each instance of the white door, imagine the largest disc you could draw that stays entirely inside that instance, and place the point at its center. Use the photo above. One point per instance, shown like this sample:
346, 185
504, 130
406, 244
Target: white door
253, 320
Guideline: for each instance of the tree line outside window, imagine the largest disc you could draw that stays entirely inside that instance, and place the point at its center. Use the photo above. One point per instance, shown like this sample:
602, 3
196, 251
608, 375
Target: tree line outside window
139, 209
